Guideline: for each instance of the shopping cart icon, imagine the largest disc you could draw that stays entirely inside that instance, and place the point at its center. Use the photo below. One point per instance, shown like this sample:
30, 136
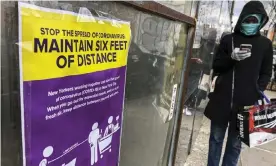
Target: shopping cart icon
71, 163
105, 144
100, 142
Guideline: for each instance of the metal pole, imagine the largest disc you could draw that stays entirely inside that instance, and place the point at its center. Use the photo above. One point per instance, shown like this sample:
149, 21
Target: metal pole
232, 9
231, 14
182, 92
220, 10
181, 96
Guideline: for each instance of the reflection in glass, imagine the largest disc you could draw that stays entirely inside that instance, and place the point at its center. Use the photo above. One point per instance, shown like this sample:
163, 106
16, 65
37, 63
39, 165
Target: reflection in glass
213, 20
154, 66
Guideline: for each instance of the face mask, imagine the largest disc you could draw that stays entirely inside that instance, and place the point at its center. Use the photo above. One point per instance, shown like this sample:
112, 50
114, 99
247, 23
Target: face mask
251, 28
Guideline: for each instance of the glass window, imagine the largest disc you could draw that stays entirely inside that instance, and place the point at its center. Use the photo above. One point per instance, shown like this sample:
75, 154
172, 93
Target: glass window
155, 63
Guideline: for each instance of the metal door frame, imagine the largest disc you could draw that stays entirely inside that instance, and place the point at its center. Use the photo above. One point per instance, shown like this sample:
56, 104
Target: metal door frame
166, 12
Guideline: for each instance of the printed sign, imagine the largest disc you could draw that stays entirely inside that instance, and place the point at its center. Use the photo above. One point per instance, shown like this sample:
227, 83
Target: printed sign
173, 101
72, 87
257, 124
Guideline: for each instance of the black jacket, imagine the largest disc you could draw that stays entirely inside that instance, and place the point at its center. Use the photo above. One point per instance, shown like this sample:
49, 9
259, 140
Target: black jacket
251, 74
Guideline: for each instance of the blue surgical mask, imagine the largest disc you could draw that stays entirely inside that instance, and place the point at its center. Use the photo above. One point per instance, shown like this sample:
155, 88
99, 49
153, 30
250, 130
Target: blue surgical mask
251, 28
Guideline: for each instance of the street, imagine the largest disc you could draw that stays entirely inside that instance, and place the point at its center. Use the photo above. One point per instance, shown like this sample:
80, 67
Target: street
264, 155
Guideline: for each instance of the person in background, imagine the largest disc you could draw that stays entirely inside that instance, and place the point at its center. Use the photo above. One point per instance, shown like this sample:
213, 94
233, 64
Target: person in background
201, 65
253, 69
193, 80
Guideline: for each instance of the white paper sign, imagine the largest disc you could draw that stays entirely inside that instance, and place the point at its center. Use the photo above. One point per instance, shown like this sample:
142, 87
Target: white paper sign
173, 101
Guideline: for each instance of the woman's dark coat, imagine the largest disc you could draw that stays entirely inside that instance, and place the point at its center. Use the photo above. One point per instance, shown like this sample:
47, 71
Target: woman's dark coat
251, 74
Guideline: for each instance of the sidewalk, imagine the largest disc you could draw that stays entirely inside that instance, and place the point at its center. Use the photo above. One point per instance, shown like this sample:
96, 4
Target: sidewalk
261, 156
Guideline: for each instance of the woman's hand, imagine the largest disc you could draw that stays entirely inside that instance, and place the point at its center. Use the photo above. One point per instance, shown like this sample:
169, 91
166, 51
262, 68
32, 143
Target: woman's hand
239, 55
197, 60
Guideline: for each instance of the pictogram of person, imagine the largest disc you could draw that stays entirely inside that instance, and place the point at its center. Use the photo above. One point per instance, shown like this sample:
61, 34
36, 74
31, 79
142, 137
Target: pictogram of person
93, 141
47, 152
117, 124
110, 127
